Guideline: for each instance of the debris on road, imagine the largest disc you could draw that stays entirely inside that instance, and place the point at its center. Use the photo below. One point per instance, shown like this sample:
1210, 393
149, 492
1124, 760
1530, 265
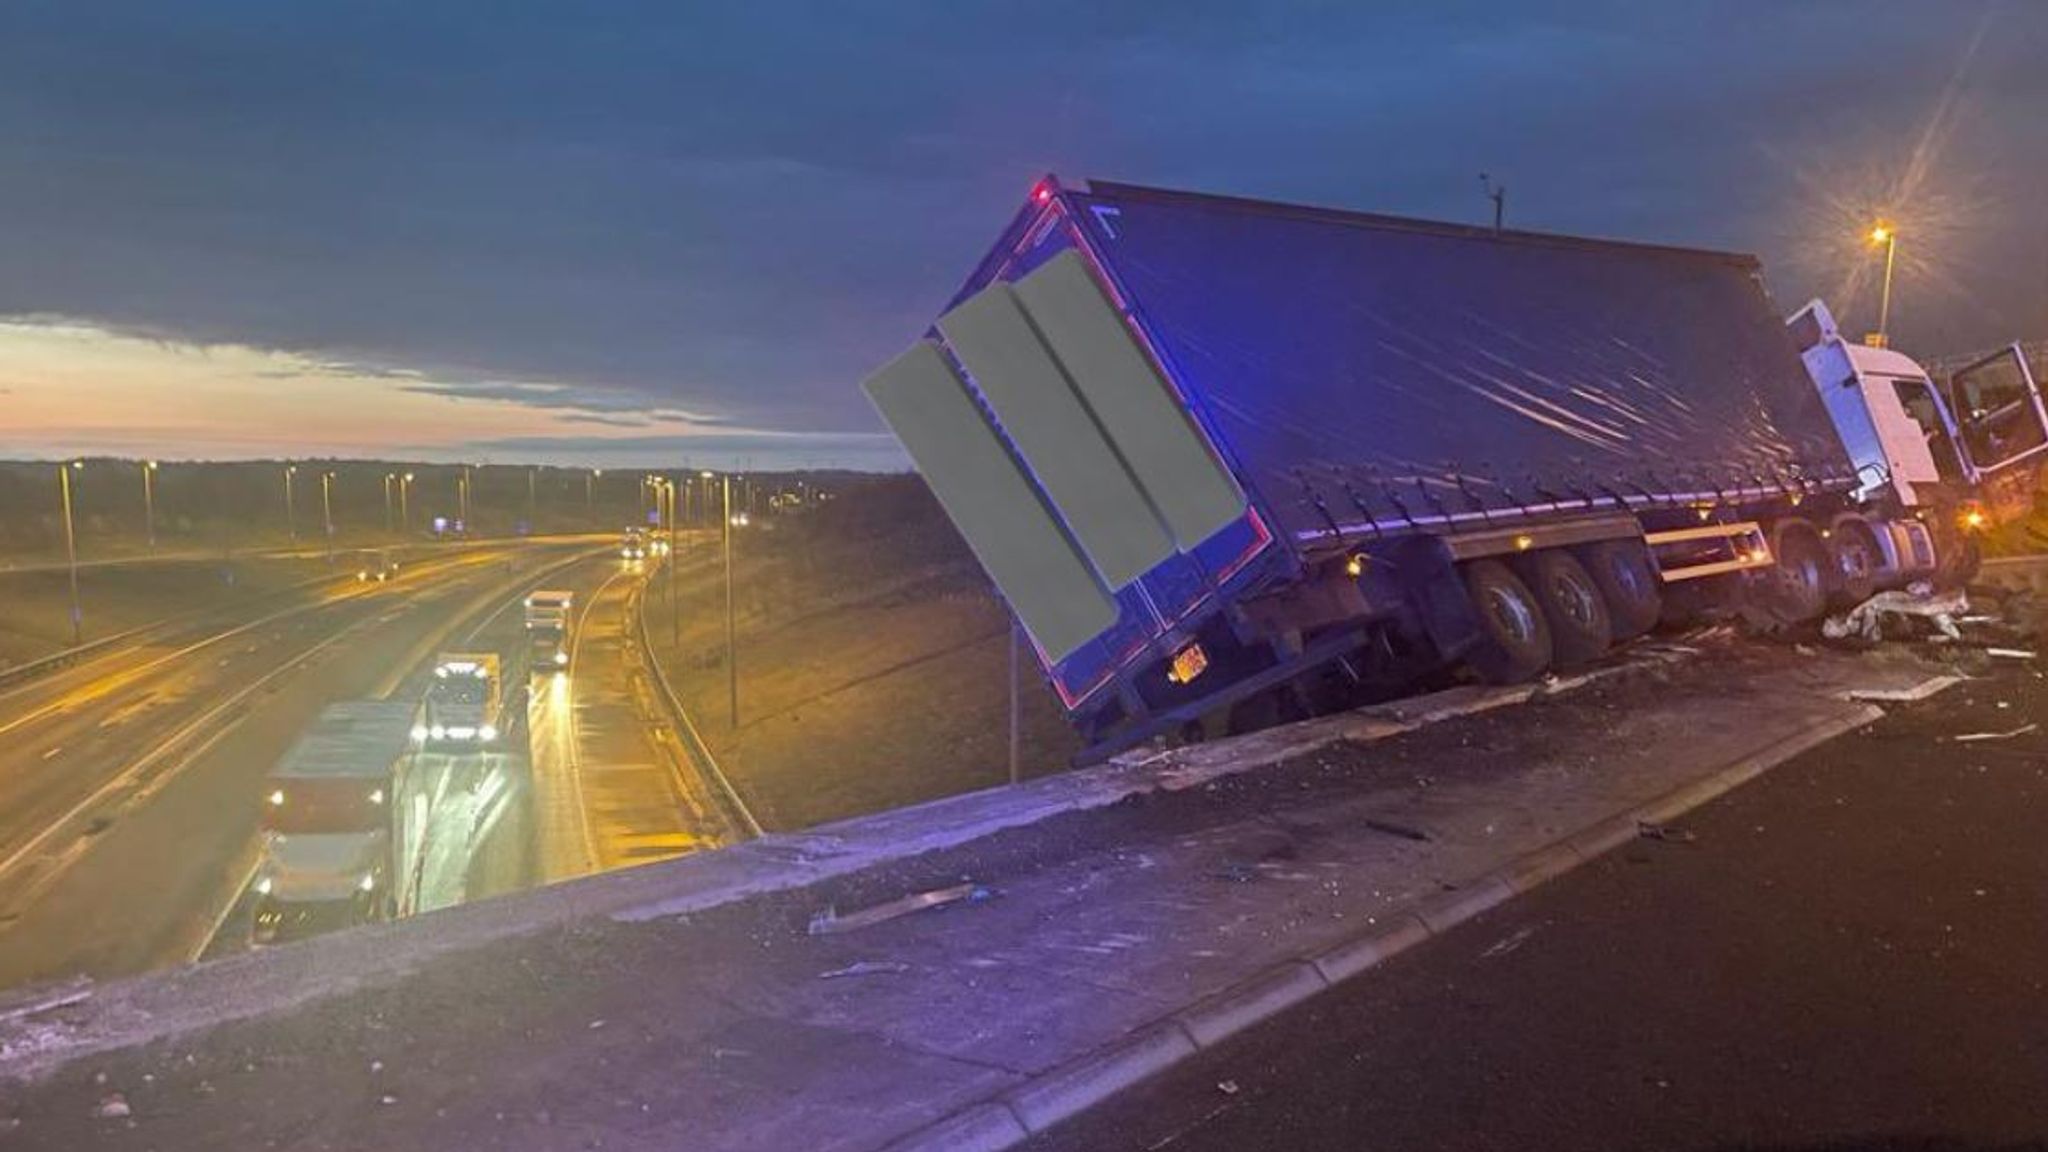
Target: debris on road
1404, 831
1227, 1087
867, 968
2009, 653
40, 1000
113, 1106
1916, 602
1508, 944
1667, 832
1968, 737
829, 922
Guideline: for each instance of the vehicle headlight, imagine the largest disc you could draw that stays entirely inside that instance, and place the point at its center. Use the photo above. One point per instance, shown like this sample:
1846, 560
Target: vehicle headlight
376, 796
277, 797
368, 883
419, 733
438, 732
561, 657
487, 733
263, 886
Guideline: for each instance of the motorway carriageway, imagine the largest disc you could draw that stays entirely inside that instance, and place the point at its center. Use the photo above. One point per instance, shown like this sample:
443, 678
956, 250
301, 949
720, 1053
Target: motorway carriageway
132, 782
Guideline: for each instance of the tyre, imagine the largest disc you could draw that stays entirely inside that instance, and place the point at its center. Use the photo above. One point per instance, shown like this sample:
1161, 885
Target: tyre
1796, 585
1515, 637
1853, 551
1628, 581
1581, 628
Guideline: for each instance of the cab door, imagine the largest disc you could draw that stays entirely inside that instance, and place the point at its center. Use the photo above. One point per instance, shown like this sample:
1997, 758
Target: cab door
1998, 412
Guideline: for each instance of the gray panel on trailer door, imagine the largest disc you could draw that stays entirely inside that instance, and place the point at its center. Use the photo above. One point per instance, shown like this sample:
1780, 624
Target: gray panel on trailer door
1111, 519
991, 501
1159, 442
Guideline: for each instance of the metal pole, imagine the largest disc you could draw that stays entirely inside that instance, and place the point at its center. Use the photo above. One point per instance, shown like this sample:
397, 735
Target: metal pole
1884, 308
532, 501
327, 511
462, 498
291, 523
675, 612
149, 501
404, 503
1013, 702
387, 503
732, 655
70, 548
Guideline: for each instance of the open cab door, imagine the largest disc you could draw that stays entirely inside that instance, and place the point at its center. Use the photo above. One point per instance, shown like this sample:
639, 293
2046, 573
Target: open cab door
2001, 424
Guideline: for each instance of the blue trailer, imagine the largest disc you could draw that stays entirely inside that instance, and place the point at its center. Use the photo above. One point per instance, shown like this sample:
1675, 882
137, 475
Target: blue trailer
1234, 461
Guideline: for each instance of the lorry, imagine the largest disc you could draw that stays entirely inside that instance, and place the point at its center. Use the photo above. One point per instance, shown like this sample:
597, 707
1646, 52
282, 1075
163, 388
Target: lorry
548, 616
464, 704
327, 825
633, 544
374, 565
1232, 461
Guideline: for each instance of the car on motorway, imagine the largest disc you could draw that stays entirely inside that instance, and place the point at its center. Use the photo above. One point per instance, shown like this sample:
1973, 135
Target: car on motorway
634, 545
375, 565
464, 703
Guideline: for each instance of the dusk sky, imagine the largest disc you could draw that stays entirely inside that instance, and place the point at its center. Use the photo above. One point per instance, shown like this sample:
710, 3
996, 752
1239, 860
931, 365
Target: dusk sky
639, 234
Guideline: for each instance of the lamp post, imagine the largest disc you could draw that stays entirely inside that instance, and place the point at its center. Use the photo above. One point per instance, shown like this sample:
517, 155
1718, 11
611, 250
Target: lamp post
1888, 236
462, 499
327, 511
532, 500
675, 611
404, 505
590, 490
732, 654
71, 545
388, 478
149, 501
291, 524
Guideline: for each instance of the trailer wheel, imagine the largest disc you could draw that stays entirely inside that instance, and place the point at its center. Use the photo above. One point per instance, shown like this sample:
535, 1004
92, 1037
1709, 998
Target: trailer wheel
1797, 586
1853, 548
1581, 628
1621, 569
1516, 644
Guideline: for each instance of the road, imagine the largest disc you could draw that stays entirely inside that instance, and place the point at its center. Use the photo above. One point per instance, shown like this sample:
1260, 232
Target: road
129, 784
1848, 953
612, 787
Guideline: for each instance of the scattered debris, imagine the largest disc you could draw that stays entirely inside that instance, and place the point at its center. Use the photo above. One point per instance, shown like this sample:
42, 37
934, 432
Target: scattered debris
37, 1001
867, 968
1667, 832
387, 1099
1918, 601
1967, 737
2009, 653
376, 1066
1509, 944
1404, 831
829, 921
596, 1024
1227, 1087
113, 1106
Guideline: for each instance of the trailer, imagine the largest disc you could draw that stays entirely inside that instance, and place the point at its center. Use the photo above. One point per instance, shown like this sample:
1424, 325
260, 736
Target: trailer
331, 815
1232, 461
548, 616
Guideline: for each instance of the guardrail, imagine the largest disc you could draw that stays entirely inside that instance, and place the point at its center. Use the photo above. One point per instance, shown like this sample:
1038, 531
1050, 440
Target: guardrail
693, 741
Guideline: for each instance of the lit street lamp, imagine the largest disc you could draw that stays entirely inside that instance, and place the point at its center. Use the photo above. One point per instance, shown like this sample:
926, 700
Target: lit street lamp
404, 507
291, 524
732, 653
590, 489
71, 545
388, 478
149, 501
1888, 236
327, 511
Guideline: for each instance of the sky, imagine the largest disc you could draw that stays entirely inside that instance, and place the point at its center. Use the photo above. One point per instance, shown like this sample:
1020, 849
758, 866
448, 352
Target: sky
661, 233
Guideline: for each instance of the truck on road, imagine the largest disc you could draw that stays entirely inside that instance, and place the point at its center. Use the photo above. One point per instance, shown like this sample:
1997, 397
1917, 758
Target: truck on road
1232, 461
548, 616
327, 827
464, 704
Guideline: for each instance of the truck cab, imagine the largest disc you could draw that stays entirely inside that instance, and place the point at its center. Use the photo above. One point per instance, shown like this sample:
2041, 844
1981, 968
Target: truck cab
375, 565
464, 703
317, 882
1964, 452
633, 545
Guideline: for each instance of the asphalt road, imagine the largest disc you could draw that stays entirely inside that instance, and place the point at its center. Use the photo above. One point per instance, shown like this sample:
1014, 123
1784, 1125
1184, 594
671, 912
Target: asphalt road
128, 785
1849, 953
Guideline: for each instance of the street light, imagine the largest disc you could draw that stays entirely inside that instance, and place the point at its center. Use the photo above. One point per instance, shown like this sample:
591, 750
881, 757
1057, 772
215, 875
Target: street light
388, 478
327, 511
590, 490
291, 524
1888, 236
71, 545
462, 499
404, 506
732, 653
149, 501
